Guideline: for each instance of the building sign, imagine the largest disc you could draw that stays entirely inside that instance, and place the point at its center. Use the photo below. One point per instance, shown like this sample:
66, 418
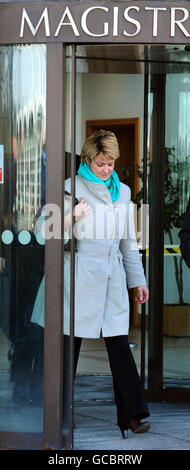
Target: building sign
85, 22
1, 164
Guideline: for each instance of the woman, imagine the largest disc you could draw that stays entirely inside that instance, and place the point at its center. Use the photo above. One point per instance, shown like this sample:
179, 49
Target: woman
107, 257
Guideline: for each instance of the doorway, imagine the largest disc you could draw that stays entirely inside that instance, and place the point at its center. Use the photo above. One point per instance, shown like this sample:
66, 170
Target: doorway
127, 132
114, 84
127, 166
112, 105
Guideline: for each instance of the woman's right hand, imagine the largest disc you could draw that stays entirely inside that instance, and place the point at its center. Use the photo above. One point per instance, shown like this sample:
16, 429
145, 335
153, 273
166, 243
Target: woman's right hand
82, 209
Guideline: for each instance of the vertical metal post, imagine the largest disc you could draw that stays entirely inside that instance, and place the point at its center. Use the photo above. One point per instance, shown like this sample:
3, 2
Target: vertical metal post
72, 279
156, 255
53, 340
145, 132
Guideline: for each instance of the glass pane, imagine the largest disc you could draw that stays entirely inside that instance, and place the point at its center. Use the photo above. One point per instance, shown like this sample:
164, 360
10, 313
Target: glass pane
115, 73
168, 131
22, 195
177, 192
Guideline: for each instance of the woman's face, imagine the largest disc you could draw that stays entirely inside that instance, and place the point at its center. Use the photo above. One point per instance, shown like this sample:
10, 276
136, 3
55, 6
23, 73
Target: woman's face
102, 166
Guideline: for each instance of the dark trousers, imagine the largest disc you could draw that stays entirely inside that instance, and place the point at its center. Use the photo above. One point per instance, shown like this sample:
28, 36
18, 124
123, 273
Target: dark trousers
127, 387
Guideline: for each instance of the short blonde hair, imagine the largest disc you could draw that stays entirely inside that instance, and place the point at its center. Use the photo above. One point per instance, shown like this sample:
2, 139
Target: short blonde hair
100, 142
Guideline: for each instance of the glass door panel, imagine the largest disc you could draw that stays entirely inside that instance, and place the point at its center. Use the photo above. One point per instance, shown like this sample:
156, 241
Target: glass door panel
169, 190
22, 196
115, 74
176, 326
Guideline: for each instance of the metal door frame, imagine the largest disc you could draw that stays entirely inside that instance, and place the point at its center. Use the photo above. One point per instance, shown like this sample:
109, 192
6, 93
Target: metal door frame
52, 437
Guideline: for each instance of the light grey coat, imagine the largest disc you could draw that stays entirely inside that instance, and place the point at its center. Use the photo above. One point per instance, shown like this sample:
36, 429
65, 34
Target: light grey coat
107, 261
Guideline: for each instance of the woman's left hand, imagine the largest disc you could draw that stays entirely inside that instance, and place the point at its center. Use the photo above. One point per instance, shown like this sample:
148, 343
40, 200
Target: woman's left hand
142, 294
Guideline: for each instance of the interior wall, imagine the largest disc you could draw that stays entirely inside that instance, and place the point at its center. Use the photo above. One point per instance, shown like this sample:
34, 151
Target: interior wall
108, 96
104, 96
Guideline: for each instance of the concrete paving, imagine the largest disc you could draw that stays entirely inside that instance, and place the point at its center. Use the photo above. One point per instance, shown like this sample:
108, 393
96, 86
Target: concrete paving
95, 418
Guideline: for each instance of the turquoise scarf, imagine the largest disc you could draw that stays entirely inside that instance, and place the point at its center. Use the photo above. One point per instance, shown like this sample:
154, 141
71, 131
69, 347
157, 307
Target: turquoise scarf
85, 171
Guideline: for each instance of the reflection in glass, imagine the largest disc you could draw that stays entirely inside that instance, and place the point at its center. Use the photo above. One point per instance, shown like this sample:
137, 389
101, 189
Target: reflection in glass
177, 191
22, 134
169, 83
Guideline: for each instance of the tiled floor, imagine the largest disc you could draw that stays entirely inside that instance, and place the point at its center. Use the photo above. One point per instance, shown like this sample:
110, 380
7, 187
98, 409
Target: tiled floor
95, 418
95, 410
